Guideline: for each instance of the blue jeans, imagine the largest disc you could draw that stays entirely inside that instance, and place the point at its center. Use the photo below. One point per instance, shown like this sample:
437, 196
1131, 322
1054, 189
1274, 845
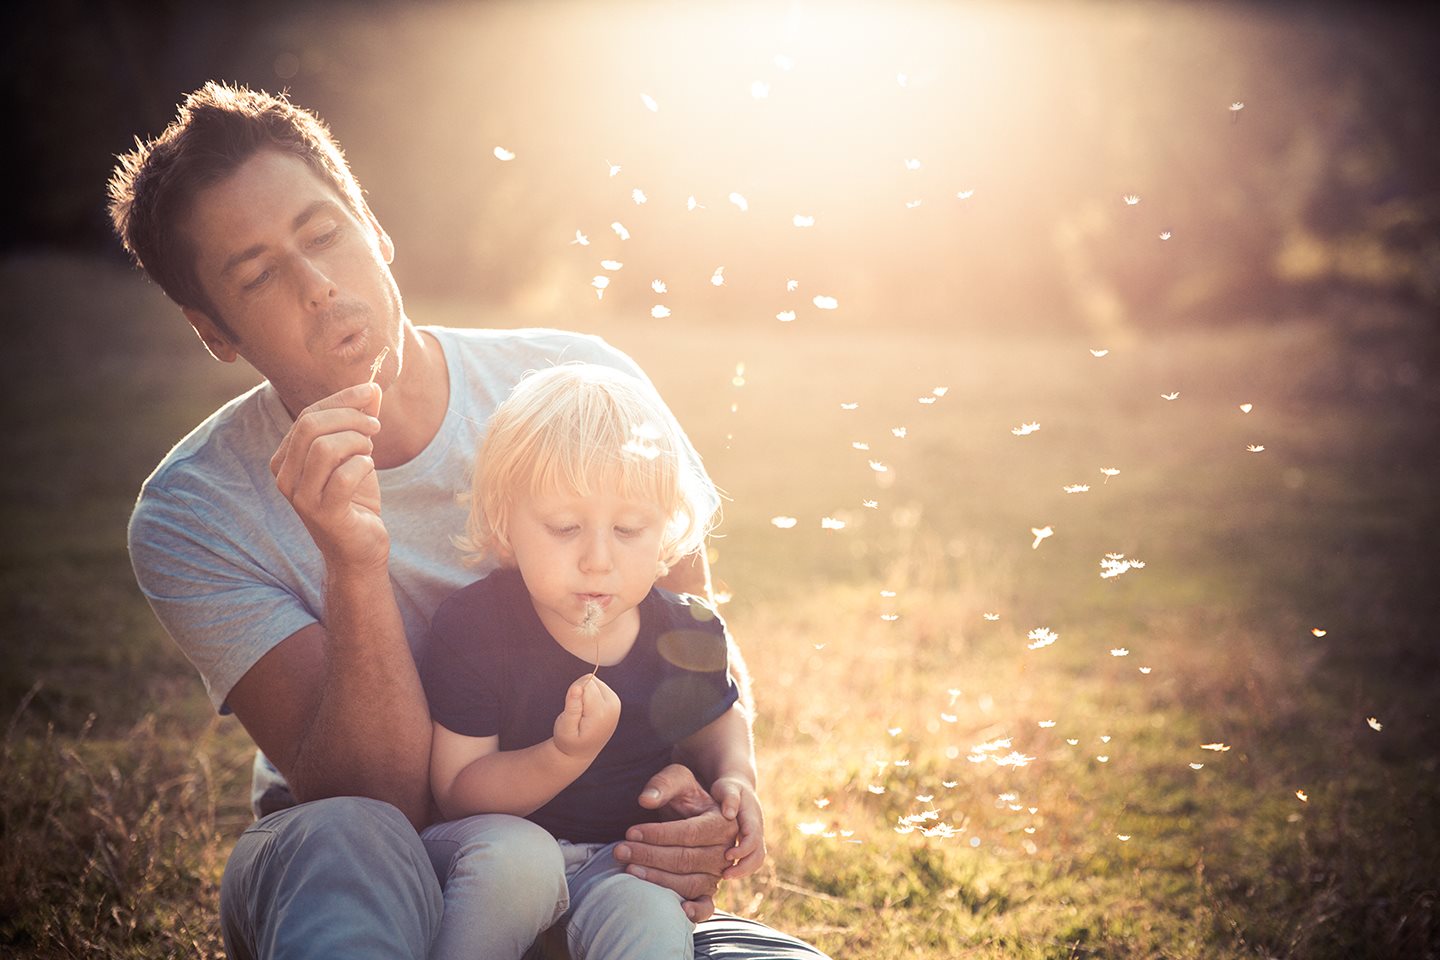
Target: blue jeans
349, 877
614, 916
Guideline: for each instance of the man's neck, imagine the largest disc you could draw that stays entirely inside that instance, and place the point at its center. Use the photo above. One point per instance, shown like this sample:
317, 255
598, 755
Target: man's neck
413, 407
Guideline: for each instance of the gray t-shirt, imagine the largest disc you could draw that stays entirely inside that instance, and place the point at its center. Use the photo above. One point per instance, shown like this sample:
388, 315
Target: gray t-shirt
230, 570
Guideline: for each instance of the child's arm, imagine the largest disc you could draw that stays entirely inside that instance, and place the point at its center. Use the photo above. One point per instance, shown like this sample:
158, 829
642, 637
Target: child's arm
471, 775
721, 753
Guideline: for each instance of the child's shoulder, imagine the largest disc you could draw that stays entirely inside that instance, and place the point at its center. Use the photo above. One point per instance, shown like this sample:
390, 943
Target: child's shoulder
499, 591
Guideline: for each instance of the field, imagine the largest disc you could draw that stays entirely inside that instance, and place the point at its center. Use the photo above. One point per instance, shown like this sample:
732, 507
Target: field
935, 787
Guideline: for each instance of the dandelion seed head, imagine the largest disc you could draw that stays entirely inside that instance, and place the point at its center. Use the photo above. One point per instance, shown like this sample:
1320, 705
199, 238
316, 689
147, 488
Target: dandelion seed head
801, 220
740, 201
650, 103
784, 523
502, 154
826, 303
785, 316
620, 230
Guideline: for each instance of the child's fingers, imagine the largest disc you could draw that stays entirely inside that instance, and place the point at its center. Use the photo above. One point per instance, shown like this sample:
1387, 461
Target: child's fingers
746, 865
727, 795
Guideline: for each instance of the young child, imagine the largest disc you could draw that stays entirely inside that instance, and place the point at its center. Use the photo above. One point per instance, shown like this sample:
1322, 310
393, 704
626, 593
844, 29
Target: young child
564, 680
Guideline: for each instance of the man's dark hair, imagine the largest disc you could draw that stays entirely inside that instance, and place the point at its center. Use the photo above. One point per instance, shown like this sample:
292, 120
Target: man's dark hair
217, 129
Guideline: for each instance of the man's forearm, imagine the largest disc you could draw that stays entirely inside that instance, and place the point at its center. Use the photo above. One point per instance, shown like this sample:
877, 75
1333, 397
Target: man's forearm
370, 732
722, 748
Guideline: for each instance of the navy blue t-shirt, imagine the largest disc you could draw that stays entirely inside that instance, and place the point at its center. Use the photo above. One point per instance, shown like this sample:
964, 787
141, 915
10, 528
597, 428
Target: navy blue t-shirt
491, 668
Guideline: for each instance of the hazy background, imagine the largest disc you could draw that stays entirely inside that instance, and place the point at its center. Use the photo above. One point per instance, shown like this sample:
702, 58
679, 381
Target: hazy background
1323, 192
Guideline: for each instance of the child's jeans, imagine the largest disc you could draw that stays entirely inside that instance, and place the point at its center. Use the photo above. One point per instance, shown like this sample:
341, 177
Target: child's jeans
614, 916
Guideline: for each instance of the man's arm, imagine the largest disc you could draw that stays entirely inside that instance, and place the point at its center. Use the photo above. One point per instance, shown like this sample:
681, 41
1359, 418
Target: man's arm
339, 708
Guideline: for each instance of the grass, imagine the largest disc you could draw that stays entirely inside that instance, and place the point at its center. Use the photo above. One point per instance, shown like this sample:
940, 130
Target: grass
122, 794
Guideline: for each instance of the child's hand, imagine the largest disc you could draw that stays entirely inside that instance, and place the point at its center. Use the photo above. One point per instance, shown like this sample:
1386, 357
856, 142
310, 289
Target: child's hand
738, 802
591, 711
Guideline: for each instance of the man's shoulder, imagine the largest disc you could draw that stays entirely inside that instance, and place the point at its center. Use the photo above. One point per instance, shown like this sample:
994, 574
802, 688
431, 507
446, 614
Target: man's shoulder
684, 611
505, 349
224, 451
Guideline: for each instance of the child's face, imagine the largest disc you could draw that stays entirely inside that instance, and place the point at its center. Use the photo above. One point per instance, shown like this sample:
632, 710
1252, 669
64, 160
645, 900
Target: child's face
572, 550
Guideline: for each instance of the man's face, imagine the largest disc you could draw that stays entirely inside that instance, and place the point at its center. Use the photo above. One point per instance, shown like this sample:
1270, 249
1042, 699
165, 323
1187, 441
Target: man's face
303, 285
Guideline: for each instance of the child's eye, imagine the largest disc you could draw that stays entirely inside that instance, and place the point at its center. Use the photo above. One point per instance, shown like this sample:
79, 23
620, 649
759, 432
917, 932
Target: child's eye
629, 531
561, 531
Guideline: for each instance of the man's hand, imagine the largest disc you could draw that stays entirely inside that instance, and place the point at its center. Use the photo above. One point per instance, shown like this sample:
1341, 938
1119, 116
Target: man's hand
739, 803
591, 712
689, 852
323, 467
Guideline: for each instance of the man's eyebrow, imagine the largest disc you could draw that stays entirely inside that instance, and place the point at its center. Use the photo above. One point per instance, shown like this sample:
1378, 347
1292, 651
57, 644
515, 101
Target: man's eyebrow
251, 252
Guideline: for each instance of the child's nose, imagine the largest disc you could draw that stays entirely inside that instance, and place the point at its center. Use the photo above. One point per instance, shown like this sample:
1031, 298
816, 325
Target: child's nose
597, 555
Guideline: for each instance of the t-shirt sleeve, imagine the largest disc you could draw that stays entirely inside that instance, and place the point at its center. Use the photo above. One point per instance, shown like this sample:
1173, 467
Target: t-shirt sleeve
459, 682
222, 608
698, 688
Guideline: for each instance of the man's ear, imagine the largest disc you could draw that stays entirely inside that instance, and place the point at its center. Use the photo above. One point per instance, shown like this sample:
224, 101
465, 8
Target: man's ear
387, 246
218, 342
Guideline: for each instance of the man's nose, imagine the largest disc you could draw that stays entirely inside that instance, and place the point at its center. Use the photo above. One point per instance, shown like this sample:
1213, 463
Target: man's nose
316, 287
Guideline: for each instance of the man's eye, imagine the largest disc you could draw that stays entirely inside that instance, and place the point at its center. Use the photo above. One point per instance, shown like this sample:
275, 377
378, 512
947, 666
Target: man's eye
259, 281
327, 238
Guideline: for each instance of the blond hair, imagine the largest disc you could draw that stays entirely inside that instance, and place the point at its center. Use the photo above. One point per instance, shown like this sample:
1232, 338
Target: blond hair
578, 428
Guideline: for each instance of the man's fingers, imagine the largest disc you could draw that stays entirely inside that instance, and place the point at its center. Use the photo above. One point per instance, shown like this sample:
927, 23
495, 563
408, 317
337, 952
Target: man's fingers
293, 455
690, 886
345, 482
704, 830
672, 781
707, 859
699, 909
304, 483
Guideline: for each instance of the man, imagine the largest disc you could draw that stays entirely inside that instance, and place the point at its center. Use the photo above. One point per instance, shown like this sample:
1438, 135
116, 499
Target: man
297, 542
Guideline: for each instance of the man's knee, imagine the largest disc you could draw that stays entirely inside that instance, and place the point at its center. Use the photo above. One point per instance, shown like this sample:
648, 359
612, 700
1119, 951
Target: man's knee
349, 861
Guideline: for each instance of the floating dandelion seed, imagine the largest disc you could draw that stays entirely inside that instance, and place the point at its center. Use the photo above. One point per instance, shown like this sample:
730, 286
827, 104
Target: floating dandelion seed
927, 400
1318, 632
878, 467
830, 523
924, 797
1115, 564
740, 202
638, 196
1105, 738
1237, 106
1099, 353
1122, 837
1375, 724
826, 303
1040, 534
1197, 766
1072, 742
620, 230
1246, 407
658, 286
887, 593
849, 406
1165, 235
1216, 747
613, 167
872, 504
659, 311
912, 164
650, 103
992, 617
1170, 396
876, 789
718, 277
1145, 670
912, 204
1076, 488
1045, 724
792, 285
785, 316
784, 523
894, 731
811, 828
1119, 652
1131, 199
1041, 637
784, 62
581, 239
965, 194
1109, 472
949, 784
600, 283
1013, 759
902, 78
691, 203
759, 89
1255, 447
949, 717
899, 432
502, 154
1025, 429
822, 802
889, 617
803, 221
859, 445
1102, 757
939, 391
611, 265
1302, 796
